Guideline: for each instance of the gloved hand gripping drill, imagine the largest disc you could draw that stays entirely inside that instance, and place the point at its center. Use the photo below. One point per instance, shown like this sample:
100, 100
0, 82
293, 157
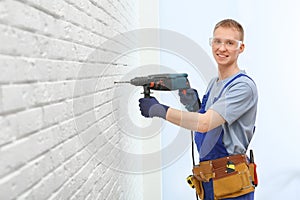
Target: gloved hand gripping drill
150, 107
190, 99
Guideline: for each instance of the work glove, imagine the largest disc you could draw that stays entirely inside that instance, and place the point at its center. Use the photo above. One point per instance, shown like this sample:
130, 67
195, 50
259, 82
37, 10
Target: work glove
190, 99
150, 107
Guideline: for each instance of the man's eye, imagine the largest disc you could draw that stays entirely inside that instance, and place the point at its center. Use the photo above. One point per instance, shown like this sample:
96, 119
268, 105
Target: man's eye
217, 41
230, 42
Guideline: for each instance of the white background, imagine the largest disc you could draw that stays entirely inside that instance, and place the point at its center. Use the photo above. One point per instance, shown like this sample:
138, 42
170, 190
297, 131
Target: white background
271, 57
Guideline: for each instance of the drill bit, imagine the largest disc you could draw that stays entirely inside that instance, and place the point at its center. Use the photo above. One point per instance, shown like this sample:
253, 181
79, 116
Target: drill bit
116, 82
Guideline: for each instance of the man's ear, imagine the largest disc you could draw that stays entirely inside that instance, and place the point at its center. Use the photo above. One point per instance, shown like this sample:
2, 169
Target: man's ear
242, 47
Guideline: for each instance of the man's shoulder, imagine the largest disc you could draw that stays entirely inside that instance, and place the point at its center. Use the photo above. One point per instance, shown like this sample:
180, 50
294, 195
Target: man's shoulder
244, 79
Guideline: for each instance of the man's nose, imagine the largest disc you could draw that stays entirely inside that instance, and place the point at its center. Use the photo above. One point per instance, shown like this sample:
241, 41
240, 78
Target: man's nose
222, 47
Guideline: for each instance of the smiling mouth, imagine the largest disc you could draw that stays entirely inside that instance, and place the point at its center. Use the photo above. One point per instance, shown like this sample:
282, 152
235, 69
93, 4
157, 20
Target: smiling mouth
222, 56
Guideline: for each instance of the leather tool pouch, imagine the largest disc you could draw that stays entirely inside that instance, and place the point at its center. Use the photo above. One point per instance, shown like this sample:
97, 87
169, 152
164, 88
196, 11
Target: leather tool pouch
234, 184
226, 184
203, 172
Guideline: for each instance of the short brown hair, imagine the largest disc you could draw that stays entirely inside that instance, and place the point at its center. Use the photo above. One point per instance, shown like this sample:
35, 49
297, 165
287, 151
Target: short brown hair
230, 23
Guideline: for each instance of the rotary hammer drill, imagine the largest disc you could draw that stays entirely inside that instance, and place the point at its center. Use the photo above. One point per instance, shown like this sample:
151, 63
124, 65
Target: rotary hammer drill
162, 82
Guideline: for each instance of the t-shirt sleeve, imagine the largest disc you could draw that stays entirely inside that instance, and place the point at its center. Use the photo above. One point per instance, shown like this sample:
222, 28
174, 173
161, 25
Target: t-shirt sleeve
234, 102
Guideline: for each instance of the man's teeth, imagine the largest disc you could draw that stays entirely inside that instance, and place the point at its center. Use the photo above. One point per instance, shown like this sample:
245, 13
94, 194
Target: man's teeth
224, 56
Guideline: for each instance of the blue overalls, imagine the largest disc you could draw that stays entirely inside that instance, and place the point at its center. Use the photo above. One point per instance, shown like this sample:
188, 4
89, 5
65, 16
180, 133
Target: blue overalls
210, 146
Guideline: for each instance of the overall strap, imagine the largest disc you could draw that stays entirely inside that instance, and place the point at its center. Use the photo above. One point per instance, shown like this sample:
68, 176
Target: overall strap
229, 82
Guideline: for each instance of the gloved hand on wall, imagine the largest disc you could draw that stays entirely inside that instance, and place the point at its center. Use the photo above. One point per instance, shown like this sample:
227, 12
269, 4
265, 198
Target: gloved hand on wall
150, 107
190, 99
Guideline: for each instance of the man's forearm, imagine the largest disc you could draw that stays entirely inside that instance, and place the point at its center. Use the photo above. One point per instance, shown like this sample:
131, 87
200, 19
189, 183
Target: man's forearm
195, 121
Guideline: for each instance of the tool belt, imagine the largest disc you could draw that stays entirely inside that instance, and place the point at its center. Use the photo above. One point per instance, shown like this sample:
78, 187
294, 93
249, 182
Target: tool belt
230, 175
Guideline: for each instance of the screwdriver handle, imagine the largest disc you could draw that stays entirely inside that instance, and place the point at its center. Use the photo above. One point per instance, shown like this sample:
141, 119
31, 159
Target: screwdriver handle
251, 156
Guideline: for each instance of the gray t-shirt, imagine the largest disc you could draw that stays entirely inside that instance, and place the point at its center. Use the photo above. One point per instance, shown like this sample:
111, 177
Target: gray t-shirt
238, 106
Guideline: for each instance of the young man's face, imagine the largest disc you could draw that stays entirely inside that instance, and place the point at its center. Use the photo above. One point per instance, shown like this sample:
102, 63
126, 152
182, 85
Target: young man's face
226, 46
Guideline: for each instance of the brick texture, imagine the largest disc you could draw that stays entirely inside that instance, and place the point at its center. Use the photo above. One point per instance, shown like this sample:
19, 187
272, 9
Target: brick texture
56, 99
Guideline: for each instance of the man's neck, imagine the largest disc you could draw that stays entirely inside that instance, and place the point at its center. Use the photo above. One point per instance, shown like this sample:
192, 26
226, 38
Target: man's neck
226, 72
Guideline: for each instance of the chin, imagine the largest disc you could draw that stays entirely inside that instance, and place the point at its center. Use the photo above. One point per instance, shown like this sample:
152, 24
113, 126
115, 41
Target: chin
222, 62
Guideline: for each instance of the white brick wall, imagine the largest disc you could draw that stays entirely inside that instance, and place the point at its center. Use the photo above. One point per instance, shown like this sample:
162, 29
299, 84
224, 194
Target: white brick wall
50, 116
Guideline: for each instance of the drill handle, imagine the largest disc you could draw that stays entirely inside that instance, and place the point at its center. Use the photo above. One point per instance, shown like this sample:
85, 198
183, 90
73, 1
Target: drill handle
146, 91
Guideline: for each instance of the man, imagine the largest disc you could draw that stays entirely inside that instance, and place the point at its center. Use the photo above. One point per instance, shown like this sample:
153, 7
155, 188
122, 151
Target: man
225, 123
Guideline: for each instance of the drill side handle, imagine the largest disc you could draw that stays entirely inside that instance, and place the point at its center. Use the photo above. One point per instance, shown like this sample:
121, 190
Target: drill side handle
146, 91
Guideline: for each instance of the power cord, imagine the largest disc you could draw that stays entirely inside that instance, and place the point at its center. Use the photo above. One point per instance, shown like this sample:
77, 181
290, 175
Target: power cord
193, 155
